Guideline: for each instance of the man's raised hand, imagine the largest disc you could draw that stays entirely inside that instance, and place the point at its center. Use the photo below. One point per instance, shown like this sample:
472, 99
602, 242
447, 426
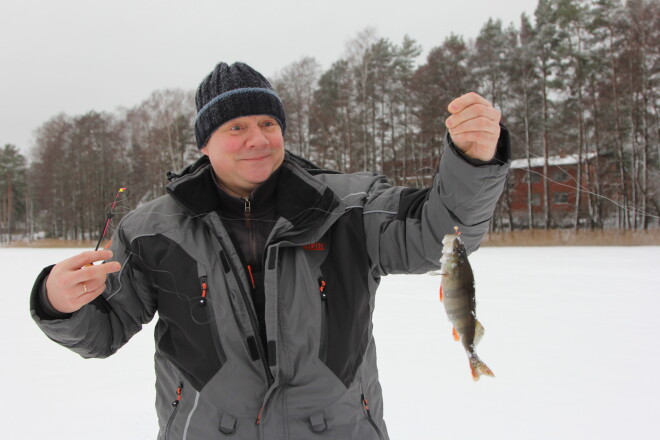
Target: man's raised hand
474, 126
76, 281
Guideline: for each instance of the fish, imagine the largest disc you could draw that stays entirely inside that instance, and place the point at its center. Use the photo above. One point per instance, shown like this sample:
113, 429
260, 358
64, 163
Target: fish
457, 294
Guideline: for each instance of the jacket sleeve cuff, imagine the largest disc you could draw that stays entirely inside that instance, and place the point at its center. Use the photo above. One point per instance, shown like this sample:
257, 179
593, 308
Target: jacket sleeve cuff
502, 152
41, 306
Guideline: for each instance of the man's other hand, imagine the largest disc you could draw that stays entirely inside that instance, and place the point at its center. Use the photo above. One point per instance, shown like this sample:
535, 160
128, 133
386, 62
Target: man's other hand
474, 126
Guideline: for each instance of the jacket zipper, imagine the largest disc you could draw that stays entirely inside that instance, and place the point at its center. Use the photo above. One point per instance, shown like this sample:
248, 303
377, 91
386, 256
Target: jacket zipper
175, 404
324, 319
365, 405
247, 213
252, 314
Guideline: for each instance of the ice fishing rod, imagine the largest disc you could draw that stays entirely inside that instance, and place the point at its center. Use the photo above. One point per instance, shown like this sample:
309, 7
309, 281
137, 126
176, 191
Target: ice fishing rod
108, 217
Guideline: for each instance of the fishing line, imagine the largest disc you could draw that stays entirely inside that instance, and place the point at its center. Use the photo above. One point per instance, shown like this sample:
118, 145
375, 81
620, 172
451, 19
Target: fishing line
577, 187
351, 201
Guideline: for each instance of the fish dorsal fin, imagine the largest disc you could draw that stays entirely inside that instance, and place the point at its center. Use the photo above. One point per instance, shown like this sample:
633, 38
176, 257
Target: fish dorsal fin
478, 332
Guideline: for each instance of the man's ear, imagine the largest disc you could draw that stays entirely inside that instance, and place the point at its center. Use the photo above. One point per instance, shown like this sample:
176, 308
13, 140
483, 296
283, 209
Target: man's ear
205, 150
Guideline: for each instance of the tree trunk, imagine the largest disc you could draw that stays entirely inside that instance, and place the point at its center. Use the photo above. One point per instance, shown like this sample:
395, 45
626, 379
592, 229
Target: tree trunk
597, 187
625, 221
530, 209
10, 208
581, 137
546, 187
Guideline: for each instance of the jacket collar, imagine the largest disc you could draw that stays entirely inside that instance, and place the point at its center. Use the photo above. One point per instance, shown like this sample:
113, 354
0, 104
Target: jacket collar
263, 199
300, 198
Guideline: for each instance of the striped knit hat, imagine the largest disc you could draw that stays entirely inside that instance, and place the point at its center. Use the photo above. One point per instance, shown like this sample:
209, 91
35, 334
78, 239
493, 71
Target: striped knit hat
229, 92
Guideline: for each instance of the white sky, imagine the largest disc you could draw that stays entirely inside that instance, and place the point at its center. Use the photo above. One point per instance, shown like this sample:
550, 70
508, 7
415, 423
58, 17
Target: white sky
73, 56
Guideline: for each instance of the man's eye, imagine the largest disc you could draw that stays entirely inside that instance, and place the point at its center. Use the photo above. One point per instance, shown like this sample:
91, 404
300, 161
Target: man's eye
235, 128
270, 124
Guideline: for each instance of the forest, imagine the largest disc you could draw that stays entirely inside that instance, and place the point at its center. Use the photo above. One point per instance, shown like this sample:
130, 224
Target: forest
578, 79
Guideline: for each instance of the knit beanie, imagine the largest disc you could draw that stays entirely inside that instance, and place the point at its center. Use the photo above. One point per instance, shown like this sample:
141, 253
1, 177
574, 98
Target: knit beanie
229, 92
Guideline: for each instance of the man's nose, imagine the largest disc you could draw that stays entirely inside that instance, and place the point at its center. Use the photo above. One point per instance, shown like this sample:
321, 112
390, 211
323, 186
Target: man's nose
256, 137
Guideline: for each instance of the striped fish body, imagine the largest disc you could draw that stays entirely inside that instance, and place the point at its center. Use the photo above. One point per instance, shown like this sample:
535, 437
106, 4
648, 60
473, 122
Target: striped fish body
457, 293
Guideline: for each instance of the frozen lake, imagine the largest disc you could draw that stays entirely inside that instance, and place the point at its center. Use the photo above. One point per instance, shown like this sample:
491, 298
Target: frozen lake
571, 335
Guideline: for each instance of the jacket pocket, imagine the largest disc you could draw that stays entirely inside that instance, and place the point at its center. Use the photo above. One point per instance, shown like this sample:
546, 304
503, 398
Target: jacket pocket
175, 404
200, 309
365, 406
323, 346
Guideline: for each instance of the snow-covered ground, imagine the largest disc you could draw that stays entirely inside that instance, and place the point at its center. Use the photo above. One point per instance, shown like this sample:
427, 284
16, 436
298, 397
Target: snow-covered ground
572, 334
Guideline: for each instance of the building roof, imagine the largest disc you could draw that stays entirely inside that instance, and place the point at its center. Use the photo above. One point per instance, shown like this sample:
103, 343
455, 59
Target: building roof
570, 159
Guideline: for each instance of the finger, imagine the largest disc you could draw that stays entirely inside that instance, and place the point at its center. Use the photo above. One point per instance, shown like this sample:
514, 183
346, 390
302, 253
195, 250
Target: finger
476, 144
474, 138
474, 111
89, 286
64, 286
98, 271
477, 124
84, 258
466, 100
86, 298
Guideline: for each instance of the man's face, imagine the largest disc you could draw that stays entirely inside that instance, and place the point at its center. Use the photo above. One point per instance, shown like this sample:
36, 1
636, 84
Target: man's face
245, 151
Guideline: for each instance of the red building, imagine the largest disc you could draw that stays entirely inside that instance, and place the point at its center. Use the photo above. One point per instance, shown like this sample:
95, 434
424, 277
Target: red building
562, 183
562, 176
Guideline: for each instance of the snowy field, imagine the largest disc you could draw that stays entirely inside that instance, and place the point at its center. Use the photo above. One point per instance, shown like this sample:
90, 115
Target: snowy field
572, 335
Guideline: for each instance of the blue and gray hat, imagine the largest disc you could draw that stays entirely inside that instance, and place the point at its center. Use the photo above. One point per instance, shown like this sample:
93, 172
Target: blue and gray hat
230, 92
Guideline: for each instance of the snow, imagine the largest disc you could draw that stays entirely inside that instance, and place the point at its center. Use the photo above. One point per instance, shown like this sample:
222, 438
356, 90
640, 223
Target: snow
571, 335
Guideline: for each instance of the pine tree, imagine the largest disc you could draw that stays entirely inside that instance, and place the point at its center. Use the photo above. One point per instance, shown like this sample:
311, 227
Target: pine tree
12, 190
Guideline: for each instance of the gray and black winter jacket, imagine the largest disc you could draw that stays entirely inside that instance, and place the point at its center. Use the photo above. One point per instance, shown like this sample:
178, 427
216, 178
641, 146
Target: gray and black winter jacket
335, 236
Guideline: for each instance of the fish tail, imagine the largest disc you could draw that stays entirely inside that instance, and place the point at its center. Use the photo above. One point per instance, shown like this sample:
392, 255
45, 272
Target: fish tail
478, 368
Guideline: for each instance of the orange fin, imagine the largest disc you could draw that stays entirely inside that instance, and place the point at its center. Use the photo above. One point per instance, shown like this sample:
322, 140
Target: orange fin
479, 368
442, 295
457, 337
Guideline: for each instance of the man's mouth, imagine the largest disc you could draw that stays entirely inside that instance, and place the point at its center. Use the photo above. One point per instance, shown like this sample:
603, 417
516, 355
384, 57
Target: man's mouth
256, 158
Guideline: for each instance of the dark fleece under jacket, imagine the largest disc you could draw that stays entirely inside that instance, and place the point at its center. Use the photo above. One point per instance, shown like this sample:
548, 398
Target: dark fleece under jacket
249, 221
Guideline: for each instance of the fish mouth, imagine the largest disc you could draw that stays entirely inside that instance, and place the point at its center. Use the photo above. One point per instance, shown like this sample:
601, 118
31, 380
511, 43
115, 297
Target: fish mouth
448, 250
449, 238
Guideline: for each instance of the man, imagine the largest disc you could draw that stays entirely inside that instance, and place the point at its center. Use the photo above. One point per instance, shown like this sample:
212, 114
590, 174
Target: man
263, 270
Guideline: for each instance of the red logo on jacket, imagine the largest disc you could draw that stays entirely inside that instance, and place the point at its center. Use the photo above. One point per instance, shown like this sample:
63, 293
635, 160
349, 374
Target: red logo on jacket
318, 246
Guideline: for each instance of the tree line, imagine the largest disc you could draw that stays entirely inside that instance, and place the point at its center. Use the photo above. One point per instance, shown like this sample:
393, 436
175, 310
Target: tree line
579, 77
